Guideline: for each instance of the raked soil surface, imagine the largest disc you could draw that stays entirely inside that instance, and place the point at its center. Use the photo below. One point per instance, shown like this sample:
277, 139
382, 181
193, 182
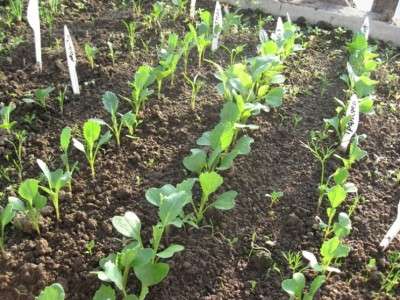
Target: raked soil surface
218, 261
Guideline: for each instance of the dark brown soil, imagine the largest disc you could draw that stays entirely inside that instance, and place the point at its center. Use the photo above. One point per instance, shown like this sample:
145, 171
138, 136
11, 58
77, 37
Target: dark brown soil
217, 262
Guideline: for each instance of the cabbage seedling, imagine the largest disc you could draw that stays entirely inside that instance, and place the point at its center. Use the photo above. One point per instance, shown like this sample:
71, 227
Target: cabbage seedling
93, 142
7, 214
56, 180
52, 292
65, 140
40, 97
144, 78
5, 115
196, 87
91, 52
295, 286
201, 41
111, 103
187, 45
32, 202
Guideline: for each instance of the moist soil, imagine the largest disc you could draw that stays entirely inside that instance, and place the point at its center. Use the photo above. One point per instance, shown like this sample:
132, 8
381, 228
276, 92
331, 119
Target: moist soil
236, 254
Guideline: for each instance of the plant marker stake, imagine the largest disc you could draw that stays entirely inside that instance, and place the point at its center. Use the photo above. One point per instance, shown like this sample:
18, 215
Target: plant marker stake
392, 232
192, 8
217, 26
365, 28
354, 111
288, 18
34, 22
279, 29
71, 60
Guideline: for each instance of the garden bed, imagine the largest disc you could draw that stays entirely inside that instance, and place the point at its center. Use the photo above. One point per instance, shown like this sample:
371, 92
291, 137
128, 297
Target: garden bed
237, 254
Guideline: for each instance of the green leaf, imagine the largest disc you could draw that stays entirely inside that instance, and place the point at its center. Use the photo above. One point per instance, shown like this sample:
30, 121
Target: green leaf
105, 292
28, 189
210, 182
343, 227
170, 251
340, 176
65, 139
336, 195
110, 102
7, 215
315, 286
196, 161
171, 207
230, 112
366, 105
128, 225
113, 274
342, 251
143, 257
294, 287
243, 145
52, 292
42, 165
329, 248
221, 136
39, 201
131, 297
154, 195
105, 138
152, 274
225, 201
91, 131
274, 97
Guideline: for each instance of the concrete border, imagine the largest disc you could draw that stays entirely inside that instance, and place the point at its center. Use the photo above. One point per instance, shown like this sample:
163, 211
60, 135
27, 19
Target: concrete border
347, 17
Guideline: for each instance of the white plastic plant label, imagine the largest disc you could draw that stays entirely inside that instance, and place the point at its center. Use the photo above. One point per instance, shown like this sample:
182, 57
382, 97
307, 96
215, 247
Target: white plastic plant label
263, 36
392, 232
71, 60
288, 18
353, 110
279, 31
217, 26
365, 27
192, 9
34, 22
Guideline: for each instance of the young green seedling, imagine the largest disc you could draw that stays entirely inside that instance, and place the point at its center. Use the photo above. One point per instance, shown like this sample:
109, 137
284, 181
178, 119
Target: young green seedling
201, 41
144, 78
131, 31
61, 98
111, 52
56, 180
7, 214
18, 146
187, 45
5, 115
32, 202
40, 97
196, 86
16, 9
93, 142
295, 287
65, 141
91, 53
52, 292
180, 7
111, 103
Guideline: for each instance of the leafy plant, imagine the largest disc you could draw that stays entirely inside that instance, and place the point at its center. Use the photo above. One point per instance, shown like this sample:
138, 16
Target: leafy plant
91, 53
52, 292
65, 140
18, 146
7, 214
275, 197
5, 115
40, 97
202, 41
32, 202
144, 78
16, 9
131, 31
391, 278
93, 142
61, 98
196, 86
180, 7
56, 180
111, 103
295, 286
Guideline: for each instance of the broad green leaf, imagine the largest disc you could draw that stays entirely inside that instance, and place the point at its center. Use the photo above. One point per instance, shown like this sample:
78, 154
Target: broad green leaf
42, 165
171, 207
91, 132
230, 112
113, 274
110, 102
315, 286
274, 97
105, 138
196, 161
336, 195
340, 176
28, 189
243, 145
52, 292
366, 105
105, 292
7, 215
143, 257
65, 138
210, 182
225, 201
128, 225
294, 287
17, 204
131, 297
154, 195
342, 251
329, 247
205, 139
39, 201
170, 251
152, 274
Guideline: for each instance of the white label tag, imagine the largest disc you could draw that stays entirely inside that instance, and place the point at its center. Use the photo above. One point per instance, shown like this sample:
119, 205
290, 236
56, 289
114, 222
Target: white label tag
263, 36
192, 8
365, 28
353, 110
288, 18
279, 31
34, 22
392, 232
217, 26
71, 60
